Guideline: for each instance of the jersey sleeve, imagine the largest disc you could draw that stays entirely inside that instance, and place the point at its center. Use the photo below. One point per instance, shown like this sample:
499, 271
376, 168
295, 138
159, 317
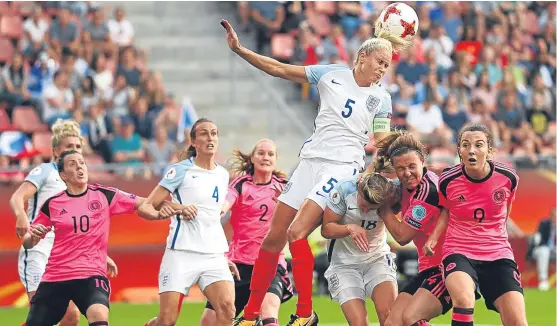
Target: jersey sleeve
39, 175
174, 177
382, 120
232, 196
122, 202
337, 199
43, 217
423, 206
315, 72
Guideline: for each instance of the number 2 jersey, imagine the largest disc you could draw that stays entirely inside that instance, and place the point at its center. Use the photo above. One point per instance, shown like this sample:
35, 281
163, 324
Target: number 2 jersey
478, 211
347, 114
420, 211
81, 224
190, 184
343, 201
252, 208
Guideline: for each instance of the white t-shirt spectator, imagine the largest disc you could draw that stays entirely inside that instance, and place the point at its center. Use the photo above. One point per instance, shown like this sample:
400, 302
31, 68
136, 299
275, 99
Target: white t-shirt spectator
424, 121
121, 32
443, 49
64, 96
36, 31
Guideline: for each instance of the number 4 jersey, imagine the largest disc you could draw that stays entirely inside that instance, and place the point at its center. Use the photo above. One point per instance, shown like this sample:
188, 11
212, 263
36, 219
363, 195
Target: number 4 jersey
478, 212
81, 224
343, 201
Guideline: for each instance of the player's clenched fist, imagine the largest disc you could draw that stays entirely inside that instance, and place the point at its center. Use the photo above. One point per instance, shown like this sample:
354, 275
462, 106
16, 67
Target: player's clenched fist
189, 212
166, 212
38, 231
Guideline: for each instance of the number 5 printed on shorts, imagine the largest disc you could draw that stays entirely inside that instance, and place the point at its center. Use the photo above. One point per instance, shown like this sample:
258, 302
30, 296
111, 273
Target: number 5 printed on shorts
330, 185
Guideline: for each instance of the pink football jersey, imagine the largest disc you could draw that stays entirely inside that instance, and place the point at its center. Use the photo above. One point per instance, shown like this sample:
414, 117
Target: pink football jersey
478, 211
252, 209
420, 211
81, 224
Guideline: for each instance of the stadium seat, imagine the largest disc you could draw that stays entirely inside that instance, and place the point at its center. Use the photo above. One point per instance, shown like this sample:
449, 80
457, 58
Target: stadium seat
5, 124
11, 26
42, 141
282, 46
325, 7
24, 118
6, 50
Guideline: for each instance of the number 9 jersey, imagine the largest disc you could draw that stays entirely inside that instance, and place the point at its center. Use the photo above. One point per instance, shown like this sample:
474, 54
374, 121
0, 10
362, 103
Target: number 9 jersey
478, 212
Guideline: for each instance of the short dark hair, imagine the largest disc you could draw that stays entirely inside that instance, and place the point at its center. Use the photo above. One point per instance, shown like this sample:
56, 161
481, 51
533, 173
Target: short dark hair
60, 163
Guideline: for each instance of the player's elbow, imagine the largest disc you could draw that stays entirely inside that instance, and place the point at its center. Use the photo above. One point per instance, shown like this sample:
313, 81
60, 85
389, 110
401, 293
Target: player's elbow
402, 239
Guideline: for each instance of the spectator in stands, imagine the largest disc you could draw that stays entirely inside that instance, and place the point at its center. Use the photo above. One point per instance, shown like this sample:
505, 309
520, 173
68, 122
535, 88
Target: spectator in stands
479, 114
488, 62
153, 93
96, 36
63, 33
544, 251
40, 74
442, 44
68, 66
453, 117
13, 83
121, 30
58, 99
143, 120
485, 91
34, 32
409, 69
120, 98
160, 150
431, 87
349, 13
542, 120
99, 129
425, 121
104, 77
128, 69
364, 32
89, 94
127, 149
538, 86
268, 17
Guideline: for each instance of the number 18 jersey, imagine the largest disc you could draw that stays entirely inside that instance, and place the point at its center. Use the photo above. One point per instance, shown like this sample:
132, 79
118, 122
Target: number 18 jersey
343, 201
478, 212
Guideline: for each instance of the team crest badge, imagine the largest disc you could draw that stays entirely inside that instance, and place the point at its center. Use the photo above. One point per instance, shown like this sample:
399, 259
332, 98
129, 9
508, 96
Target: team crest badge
498, 196
95, 206
333, 282
418, 212
170, 174
287, 187
372, 103
335, 197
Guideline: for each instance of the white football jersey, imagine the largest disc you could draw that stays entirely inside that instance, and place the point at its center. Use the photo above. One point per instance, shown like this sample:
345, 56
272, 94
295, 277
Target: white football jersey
206, 189
347, 114
46, 179
343, 201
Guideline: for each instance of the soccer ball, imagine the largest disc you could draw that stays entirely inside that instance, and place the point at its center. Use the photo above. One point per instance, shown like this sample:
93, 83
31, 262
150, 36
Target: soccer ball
398, 19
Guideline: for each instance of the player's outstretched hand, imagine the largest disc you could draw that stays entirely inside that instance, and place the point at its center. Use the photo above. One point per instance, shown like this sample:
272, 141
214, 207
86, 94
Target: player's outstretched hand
428, 247
231, 36
359, 235
21, 227
111, 268
166, 212
189, 212
234, 269
38, 231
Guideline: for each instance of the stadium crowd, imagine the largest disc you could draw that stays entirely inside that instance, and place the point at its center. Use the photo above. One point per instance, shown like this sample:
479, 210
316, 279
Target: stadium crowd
486, 62
78, 60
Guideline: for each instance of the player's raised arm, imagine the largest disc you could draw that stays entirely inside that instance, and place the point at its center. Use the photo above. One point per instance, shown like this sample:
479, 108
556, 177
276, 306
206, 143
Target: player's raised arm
17, 204
261, 62
401, 232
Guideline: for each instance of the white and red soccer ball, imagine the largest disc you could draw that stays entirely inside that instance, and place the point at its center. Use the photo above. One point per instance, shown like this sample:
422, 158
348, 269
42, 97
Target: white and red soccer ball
398, 19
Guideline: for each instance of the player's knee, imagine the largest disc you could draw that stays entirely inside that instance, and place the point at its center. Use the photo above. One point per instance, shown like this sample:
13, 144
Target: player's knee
167, 319
409, 318
463, 299
514, 318
208, 318
71, 318
393, 320
273, 242
295, 233
225, 310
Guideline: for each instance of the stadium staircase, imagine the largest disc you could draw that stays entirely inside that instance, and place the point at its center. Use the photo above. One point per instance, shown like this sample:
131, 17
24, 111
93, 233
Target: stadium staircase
185, 42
